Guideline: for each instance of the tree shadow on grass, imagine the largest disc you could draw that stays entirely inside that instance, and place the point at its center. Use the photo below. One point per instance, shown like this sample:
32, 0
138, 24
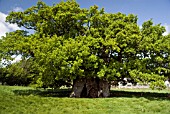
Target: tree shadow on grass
148, 95
113, 93
44, 93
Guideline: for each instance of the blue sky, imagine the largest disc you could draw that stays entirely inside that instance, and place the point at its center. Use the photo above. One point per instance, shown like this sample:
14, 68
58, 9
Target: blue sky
158, 10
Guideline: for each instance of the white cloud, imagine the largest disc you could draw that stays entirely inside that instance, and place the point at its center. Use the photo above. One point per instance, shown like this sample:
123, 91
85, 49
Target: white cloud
6, 27
167, 27
17, 9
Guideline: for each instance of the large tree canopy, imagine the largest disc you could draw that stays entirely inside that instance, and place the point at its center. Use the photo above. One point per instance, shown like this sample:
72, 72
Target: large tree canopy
71, 43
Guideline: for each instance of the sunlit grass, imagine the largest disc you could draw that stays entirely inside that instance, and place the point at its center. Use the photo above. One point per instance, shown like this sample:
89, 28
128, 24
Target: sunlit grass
12, 103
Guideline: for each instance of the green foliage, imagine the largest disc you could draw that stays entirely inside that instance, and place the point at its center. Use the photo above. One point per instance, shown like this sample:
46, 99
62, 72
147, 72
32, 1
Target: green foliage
71, 42
19, 73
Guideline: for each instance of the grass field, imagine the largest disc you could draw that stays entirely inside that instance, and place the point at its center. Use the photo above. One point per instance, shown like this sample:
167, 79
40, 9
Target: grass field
27, 100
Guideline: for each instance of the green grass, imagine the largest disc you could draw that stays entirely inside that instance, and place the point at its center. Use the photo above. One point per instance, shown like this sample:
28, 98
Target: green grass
26, 100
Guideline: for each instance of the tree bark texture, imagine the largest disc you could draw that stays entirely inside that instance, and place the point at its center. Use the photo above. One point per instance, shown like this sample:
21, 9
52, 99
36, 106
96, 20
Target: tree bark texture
90, 88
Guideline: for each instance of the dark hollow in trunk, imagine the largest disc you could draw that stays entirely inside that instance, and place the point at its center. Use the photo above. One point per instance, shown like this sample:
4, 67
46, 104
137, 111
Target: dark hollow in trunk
90, 88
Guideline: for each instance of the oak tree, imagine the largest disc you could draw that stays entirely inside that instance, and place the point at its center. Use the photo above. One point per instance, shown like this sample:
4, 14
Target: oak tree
87, 47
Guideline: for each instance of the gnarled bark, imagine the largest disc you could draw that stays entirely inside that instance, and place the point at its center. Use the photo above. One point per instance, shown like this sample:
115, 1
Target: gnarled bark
104, 88
78, 85
90, 87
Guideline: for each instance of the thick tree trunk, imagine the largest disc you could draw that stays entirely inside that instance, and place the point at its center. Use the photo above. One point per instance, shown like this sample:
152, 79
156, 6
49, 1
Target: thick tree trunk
90, 88
78, 87
104, 88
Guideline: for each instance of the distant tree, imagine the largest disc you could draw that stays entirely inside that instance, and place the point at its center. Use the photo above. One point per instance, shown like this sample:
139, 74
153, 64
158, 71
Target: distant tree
2, 76
17, 74
88, 47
